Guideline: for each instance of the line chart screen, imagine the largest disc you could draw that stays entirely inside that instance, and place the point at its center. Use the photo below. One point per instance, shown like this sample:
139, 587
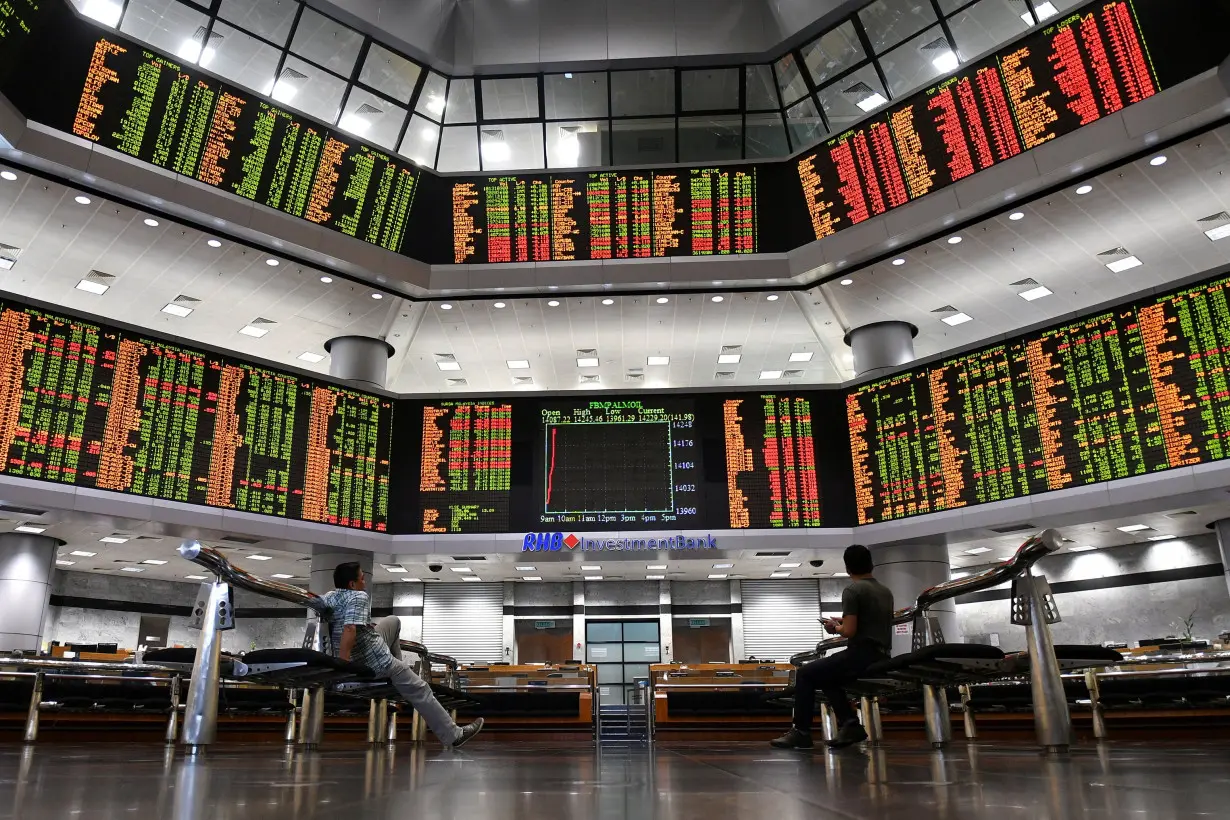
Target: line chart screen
630, 463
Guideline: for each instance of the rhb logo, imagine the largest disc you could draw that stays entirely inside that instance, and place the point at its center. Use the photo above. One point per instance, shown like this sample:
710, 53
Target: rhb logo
549, 542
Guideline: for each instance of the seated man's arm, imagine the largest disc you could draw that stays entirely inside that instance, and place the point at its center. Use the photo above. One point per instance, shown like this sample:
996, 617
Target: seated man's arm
348, 636
848, 626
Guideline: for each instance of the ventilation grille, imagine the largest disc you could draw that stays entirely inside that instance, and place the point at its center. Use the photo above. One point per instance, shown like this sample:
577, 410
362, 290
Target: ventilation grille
728, 349
291, 74
587, 353
522, 380
368, 110
1113, 253
184, 299
445, 357
1025, 283
239, 539
9, 508
635, 378
859, 90
261, 320
99, 276
590, 379
469, 558
773, 555
1223, 216
1011, 528
456, 382
199, 36
792, 374
945, 309
724, 375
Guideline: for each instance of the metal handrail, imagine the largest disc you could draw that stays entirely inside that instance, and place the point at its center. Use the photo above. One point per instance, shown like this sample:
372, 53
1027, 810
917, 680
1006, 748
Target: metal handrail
1034, 549
215, 562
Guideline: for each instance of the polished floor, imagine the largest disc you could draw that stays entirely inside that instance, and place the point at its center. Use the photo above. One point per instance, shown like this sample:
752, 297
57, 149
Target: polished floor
550, 782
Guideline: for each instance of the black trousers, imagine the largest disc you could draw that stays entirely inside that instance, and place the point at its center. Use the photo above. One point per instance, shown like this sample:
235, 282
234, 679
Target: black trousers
830, 675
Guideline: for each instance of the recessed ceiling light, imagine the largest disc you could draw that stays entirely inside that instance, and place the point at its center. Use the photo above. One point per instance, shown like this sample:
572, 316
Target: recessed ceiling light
253, 331
593, 577
658, 361
729, 358
717, 298
96, 288
1044, 10
176, 310
841, 575
779, 575
499, 305
802, 356
83, 553
718, 576
62, 563
655, 577
449, 366
271, 262
954, 240
446, 306
461, 569
1134, 528
1084, 548
153, 561
872, 101
1016, 215
608, 301
1035, 293
553, 303
772, 297
260, 557
9, 175
770, 374
82, 200
587, 361
957, 319
29, 528
131, 569
413, 580
655, 566
1217, 233
789, 565
1084, 189
281, 575
394, 568
518, 364
531, 578
309, 356
1160, 537
1160, 159
1126, 263
590, 567
113, 539
214, 243
847, 282
151, 222
197, 577
662, 300
722, 566
377, 295
328, 280
525, 569
470, 578
977, 550
899, 261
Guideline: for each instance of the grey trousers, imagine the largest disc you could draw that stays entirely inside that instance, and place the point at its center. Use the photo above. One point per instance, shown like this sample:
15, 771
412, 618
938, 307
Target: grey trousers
413, 688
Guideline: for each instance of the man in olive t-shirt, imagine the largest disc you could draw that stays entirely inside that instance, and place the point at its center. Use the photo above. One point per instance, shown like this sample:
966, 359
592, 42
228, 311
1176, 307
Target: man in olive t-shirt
867, 621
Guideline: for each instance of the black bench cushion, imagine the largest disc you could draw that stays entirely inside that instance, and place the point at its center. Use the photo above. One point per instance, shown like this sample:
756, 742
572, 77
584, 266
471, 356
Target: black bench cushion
938, 653
1080, 652
174, 654
305, 656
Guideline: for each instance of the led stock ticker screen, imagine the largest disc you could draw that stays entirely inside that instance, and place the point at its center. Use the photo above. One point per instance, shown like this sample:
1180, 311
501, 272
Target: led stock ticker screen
1128, 392
86, 405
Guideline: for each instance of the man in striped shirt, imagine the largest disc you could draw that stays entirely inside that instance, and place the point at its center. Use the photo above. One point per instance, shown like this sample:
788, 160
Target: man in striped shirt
356, 639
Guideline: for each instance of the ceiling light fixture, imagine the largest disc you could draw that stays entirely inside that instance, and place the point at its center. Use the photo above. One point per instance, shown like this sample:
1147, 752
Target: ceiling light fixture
81, 200
658, 361
260, 557
789, 565
461, 569
131, 569
113, 539
449, 366
1218, 233
655, 577
90, 286
62, 563
655, 566
590, 567
196, 577
499, 306
8, 175
253, 331
526, 569
531, 578
446, 306
377, 295
153, 562
772, 297
1084, 189
271, 262
553, 303
841, 575
977, 550
587, 361
718, 576
954, 240
176, 310
770, 374
593, 577
801, 356
847, 282
83, 553
899, 261
717, 298
608, 301
1016, 216
1133, 528
1084, 548
1126, 263
310, 357
957, 319
1160, 537
470, 578
153, 223
1035, 293
214, 243
1160, 159
729, 358
413, 580
723, 566
518, 364
281, 576
779, 575
29, 528
328, 280
662, 300
868, 99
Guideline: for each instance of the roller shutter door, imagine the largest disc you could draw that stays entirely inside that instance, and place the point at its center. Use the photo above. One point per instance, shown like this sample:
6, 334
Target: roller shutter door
465, 621
780, 618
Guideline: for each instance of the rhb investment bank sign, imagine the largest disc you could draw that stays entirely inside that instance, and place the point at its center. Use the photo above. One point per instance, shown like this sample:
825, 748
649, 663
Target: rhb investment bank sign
556, 541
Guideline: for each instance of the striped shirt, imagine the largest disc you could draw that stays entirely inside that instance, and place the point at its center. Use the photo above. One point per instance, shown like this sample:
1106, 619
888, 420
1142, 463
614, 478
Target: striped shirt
352, 607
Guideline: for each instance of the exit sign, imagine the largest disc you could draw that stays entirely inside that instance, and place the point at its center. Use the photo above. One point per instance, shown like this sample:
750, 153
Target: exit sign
697, 622
544, 624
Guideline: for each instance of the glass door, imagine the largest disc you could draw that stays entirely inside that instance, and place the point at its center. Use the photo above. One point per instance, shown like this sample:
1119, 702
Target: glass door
621, 651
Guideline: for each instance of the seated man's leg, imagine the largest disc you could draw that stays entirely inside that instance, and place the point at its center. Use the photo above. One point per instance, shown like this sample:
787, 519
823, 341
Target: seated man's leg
389, 629
418, 692
810, 677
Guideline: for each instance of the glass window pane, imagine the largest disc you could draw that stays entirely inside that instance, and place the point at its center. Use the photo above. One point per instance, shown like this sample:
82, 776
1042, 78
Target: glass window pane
603, 632
985, 25
948, 6
833, 53
641, 652
372, 119
888, 22
310, 89
918, 60
610, 673
575, 95
710, 138
632, 671
577, 144
643, 142
804, 123
505, 147
166, 25
270, 19
458, 149
761, 91
766, 136
604, 653
460, 105
240, 57
643, 631
326, 42
419, 143
389, 73
637, 93
790, 80
431, 98
511, 98
710, 90
851, 98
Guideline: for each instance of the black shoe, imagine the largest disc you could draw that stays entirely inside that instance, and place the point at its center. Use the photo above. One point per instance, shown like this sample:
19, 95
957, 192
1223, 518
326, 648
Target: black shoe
849, 734
468, 732
794, 739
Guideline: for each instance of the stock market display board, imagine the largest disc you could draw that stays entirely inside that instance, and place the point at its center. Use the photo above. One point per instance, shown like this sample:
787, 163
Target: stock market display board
1127, 392
111, 410
465, 467
771, 478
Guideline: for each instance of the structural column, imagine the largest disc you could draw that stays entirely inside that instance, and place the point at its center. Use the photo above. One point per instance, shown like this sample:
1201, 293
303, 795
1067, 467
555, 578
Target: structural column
362, 360
881, 346
1222, 528
908, 569
26, 562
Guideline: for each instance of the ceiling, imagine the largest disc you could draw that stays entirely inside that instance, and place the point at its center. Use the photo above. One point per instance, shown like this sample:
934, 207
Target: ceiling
1151, 210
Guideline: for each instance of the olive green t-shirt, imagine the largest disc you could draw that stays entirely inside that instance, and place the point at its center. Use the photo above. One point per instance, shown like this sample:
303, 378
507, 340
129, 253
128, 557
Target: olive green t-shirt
872, 603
